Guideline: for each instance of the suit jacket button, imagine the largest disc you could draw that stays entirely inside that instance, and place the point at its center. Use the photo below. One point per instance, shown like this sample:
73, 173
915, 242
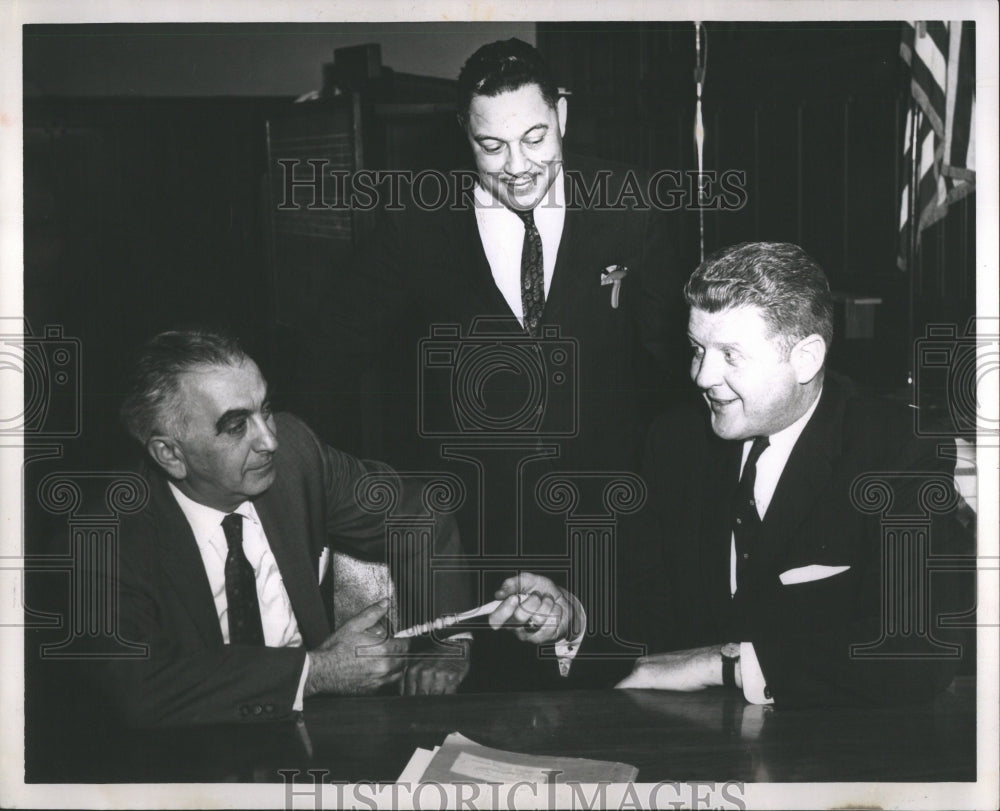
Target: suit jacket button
244, 710
257, 709
767, 692
268, 708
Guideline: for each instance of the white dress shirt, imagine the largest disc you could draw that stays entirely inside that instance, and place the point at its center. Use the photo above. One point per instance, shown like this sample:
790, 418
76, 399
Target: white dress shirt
277, 618
501, 232
280, 626
770, 466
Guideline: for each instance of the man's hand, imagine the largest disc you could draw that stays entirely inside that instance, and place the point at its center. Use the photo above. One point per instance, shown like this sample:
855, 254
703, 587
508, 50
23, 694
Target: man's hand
685, 670
437, 671
535, 608
359, 657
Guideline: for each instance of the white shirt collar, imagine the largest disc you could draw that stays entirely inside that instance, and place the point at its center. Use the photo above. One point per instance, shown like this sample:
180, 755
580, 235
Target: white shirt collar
205, 521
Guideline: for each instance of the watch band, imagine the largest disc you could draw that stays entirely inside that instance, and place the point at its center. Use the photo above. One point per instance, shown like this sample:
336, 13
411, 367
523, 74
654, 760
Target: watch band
730, 656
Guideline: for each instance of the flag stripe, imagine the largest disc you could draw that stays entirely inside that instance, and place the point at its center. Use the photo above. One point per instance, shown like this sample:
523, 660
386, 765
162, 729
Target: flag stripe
941, 56
958, 155
937, 33
929, 92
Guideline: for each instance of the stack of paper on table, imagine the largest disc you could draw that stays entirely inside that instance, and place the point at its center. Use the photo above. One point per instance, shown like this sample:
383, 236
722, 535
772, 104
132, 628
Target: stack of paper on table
459, 760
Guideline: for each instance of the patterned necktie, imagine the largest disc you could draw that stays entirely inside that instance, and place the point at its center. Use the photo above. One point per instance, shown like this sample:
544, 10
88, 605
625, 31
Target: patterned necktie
532, 274
746, 519
245, 627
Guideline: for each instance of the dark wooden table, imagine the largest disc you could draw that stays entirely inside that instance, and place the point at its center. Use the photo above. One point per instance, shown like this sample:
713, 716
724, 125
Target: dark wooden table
711, 735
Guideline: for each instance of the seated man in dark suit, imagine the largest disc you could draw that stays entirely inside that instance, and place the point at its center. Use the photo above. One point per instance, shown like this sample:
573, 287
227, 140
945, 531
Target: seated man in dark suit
765, 547
219, 574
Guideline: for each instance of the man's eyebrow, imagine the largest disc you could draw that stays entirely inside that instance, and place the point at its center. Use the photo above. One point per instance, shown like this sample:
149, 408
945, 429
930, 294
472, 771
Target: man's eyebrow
481, 138
239, 413
230, 417
728, 345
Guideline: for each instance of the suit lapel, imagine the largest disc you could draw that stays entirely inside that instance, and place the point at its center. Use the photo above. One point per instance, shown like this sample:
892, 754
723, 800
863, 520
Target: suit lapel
574, 258
562, 283
472, 266
807, 474
287, 536
722, 475
180, 560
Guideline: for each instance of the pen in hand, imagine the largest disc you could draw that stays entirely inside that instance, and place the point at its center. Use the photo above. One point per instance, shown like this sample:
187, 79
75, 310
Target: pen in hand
447, 621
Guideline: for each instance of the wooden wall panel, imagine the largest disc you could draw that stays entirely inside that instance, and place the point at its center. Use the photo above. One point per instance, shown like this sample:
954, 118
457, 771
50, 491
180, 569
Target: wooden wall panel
778, 203
139, 215
814, 114
873, 188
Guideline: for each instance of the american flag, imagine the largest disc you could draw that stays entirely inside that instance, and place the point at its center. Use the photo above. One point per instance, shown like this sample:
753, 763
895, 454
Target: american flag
940, 126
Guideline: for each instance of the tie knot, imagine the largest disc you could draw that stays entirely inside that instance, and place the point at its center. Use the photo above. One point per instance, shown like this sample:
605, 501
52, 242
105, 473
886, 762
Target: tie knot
527, 217
232, 525
760, 444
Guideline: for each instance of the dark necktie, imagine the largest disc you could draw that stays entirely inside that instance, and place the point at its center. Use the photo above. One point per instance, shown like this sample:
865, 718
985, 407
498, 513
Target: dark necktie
245, 627
746, 520
532, 274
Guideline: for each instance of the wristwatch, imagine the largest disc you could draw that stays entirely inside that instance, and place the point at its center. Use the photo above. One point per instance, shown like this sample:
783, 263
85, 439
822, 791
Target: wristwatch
730, 656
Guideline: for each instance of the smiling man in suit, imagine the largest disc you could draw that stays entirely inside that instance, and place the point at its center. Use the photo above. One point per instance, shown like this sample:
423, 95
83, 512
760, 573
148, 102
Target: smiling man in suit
762, 563
544, 247
220, 573
551, 287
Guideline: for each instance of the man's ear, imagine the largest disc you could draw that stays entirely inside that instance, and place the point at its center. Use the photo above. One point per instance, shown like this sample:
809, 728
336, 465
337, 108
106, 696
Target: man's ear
807, 357
561, 114
168, 455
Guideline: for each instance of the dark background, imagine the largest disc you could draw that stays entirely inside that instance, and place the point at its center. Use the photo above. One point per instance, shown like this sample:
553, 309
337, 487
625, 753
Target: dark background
146, 211
147, 205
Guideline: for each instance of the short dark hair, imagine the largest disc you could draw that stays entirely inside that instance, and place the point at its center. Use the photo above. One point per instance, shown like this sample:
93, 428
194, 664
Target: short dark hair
500, 67
779, 278
153, 399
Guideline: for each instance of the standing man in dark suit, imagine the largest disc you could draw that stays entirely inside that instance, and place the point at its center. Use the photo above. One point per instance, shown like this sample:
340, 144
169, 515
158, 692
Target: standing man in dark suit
583, 236
219, 574
544, 299
766, 559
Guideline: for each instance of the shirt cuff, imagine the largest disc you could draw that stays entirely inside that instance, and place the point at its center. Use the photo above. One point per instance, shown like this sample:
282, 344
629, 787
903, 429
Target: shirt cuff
297, 706
566, 650
754, 686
